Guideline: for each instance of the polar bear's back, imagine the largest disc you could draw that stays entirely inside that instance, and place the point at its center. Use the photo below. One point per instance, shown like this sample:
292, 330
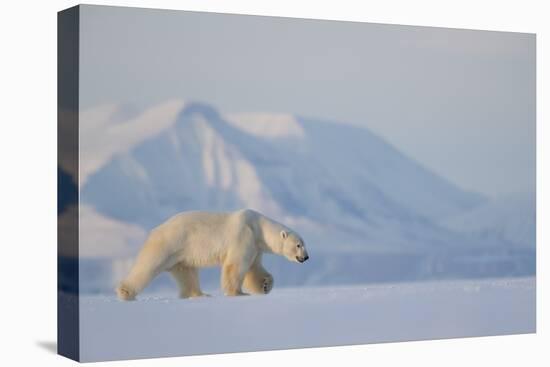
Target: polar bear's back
201, 238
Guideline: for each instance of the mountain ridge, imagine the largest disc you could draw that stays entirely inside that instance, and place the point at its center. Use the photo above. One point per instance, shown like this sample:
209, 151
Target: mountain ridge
366, 210
199, 161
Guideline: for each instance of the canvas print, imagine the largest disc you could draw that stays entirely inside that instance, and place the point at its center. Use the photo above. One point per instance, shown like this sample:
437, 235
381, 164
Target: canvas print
233, 183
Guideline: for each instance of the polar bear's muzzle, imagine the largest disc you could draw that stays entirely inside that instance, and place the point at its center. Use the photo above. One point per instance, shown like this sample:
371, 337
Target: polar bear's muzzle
301, 259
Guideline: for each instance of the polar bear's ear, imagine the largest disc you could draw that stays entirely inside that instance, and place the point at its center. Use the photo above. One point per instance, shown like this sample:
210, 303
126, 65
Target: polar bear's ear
284, 235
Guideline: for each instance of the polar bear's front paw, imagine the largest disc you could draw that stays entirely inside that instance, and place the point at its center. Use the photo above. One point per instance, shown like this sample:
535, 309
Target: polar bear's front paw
267, 284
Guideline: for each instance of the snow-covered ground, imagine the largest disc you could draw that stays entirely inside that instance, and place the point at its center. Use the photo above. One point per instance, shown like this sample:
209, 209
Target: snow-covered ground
162, 325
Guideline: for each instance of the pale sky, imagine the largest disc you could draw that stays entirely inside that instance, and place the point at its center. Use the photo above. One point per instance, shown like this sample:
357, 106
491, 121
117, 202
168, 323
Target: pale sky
460, 102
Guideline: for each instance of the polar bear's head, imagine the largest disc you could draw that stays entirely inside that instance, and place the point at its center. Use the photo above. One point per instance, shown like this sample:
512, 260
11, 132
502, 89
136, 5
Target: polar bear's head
294, 248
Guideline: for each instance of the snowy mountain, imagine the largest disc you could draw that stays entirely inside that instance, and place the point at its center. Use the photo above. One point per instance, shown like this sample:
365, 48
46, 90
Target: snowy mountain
311, 171
508, 219
365, 210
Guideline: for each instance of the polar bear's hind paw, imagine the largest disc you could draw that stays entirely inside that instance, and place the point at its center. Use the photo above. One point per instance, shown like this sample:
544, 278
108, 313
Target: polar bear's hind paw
125, 293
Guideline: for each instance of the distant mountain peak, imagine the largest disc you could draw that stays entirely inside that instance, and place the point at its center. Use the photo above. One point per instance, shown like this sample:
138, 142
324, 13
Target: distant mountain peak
267, 125
185, 156
367, 211
201, 109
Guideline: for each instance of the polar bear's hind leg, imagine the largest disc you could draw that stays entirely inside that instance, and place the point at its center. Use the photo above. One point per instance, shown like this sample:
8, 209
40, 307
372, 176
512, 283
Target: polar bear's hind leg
188, 281
148, 265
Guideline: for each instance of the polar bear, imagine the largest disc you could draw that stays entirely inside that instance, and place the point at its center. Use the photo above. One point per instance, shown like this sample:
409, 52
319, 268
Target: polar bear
235, 241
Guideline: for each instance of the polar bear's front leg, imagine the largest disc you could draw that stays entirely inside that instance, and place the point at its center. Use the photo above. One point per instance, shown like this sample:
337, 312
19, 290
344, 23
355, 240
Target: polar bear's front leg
237, 261
232, 279
188, 281
257, 280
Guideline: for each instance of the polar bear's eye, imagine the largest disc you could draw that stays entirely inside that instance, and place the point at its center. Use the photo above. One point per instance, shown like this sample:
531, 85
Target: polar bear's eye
298, 245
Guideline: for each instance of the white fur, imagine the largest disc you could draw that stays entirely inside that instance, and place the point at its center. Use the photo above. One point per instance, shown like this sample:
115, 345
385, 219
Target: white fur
192, 240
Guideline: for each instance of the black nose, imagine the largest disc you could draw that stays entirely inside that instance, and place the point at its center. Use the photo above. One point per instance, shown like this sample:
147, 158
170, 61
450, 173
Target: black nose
305, 258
